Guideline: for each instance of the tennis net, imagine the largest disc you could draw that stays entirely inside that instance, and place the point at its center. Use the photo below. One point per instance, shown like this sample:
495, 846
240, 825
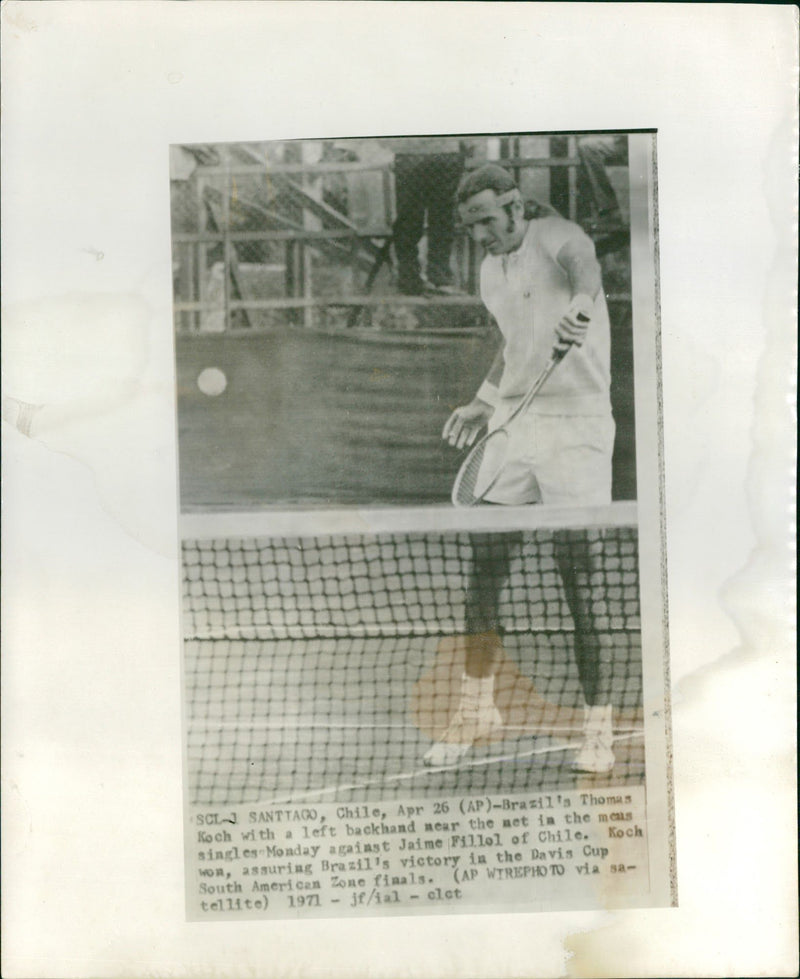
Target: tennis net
323, 666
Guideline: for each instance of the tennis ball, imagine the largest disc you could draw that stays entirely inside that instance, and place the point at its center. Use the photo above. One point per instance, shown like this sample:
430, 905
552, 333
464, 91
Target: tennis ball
212, 381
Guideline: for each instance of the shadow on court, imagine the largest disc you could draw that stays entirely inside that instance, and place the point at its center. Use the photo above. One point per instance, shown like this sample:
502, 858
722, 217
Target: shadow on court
349, 720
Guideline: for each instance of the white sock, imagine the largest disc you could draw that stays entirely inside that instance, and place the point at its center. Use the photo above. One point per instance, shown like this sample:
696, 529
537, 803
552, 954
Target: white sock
598, 717
479, 689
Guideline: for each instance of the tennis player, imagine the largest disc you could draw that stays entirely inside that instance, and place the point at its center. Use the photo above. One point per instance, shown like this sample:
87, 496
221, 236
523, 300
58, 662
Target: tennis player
541, 281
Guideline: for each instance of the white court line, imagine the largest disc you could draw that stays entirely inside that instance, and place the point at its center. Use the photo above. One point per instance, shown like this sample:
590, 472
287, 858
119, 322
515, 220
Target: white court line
408, 776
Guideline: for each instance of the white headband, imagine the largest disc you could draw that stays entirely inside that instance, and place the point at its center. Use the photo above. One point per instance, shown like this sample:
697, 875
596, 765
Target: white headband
484, 208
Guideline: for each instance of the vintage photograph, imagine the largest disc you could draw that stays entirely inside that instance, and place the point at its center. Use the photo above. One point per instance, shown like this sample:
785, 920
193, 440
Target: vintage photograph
332, 292
399, 432
411, 373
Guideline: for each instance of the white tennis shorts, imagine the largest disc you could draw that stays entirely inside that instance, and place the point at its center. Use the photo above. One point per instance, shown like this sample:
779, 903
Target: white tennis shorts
561, 459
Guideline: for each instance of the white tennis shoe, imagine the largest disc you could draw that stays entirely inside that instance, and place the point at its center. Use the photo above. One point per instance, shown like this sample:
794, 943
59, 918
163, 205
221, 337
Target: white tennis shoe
472, 722
596, 754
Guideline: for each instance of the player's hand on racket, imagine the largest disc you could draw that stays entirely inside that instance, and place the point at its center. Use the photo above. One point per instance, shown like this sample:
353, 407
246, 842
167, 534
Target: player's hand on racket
573, 325
466, 422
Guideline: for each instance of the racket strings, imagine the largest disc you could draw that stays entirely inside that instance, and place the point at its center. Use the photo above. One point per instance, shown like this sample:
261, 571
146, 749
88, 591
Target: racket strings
481, 469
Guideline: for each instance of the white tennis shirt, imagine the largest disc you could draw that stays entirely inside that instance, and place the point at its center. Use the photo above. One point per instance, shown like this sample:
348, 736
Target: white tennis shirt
527, 291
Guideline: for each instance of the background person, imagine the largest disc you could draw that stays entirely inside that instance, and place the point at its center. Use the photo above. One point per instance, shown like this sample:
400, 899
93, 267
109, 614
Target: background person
596, 154
427, 172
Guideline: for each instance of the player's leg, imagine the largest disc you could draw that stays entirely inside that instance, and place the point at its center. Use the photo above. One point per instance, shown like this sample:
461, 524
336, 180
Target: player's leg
578, 472
410, 221
579, 555
477, 716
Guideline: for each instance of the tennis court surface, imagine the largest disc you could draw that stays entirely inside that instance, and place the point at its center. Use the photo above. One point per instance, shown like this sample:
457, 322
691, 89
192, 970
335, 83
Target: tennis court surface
320, 667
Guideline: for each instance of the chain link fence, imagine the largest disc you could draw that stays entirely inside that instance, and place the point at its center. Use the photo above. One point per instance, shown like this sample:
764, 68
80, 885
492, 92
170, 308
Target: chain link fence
299, 234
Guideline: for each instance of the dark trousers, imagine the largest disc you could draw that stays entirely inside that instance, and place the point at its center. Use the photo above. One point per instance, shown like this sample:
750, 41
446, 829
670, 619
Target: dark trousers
597, 153
578, 555
425, 184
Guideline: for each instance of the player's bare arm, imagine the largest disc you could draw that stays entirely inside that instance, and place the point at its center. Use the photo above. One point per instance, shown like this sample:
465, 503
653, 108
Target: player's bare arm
578, 259
466, 422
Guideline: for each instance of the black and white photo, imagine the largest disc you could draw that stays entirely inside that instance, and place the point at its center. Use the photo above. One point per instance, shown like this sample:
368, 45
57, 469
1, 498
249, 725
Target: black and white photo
354, 621
407, 387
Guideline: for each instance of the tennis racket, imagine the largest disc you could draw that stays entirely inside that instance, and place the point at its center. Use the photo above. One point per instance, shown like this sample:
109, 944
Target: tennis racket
486, 461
